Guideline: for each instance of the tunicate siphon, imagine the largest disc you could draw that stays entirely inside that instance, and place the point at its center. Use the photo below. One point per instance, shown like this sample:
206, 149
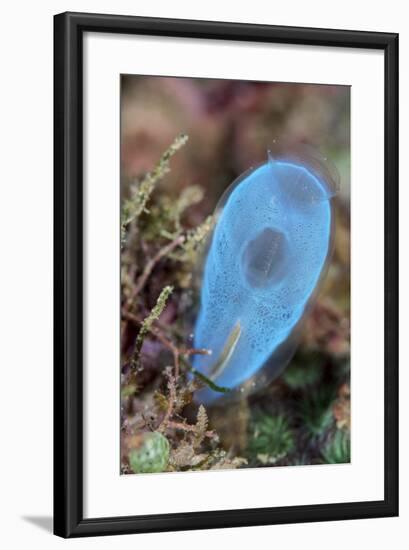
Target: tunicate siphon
269, 249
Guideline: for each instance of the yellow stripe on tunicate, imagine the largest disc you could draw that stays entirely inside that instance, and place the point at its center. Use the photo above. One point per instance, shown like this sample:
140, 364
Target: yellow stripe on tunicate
218, 367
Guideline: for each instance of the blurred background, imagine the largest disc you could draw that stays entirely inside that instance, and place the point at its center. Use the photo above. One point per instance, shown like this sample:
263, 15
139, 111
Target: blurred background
303, 417
230, 124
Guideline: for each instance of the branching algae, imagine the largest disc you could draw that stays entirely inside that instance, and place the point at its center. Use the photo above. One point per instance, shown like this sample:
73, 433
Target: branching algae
267, 255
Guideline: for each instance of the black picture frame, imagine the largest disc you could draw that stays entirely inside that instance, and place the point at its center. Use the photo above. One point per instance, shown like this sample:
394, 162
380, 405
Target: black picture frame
69, 29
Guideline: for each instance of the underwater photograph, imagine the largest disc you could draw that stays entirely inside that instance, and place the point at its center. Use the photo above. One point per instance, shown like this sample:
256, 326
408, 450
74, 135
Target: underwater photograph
235, 274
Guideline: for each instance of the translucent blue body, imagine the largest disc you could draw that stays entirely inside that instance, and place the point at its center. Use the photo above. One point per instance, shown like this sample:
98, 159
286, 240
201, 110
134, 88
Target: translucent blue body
267, 253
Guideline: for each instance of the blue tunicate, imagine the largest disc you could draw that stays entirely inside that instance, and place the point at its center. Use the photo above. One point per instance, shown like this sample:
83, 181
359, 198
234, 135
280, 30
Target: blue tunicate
268, 251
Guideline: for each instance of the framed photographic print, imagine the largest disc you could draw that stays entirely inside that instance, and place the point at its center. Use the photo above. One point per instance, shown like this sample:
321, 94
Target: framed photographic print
226, 265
